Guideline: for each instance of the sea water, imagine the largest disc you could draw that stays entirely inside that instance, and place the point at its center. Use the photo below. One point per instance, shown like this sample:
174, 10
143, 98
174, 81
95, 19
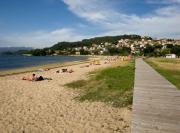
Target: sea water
13, 62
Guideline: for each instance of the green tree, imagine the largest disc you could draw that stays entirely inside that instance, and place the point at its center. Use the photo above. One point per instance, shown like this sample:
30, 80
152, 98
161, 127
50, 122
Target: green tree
176, 50
39, 52
170, 46
84, 52
149, 50
113, 51
165, 51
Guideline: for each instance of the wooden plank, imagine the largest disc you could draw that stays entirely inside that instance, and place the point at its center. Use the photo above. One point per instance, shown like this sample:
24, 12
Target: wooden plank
156, 102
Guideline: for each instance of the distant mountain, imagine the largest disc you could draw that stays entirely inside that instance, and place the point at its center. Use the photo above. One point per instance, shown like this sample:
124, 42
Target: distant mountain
13, 49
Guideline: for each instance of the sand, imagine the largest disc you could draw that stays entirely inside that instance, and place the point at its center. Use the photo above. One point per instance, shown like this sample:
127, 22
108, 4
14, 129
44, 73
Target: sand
49, 107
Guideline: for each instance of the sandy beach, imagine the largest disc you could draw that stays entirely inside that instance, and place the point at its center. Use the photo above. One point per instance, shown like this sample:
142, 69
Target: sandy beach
49, 107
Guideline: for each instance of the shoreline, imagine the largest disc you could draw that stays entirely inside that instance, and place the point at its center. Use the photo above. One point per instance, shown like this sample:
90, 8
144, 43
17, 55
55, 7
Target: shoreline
22, 70
46, 66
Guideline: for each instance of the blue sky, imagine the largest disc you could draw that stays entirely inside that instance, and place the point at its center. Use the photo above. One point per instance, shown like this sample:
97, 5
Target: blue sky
42, 23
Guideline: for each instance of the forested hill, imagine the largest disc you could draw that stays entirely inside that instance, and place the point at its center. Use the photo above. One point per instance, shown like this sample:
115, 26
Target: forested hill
13, 49
96, 40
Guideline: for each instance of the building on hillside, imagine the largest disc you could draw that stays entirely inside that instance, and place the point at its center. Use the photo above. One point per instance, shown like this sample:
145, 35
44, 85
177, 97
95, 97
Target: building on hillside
85, 48
170, 56
94, 45
107, 44
101, 52
77, 49
77, 53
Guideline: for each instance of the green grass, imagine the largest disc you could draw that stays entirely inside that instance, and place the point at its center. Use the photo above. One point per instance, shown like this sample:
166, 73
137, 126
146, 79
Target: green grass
173, 75
112, 85
174, 61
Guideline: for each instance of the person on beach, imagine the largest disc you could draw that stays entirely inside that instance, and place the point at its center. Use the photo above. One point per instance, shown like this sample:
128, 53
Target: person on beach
71, 71
65, 70
43, 70
33, 78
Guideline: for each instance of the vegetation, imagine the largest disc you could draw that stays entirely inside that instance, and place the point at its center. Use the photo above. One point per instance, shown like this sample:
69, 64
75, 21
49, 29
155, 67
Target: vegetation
96, 40
111, 45
157, 50
124, 51
169, 68
7, 53
66, 48
112, 85
19, 52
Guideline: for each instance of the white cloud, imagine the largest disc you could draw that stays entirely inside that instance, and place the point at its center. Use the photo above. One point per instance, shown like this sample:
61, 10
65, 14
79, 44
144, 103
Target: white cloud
41, 38
163, 1
92, 10
169, 11
163, 22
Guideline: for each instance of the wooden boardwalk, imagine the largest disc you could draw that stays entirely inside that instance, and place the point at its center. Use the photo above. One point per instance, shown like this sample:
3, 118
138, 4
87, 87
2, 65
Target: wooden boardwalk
156, 103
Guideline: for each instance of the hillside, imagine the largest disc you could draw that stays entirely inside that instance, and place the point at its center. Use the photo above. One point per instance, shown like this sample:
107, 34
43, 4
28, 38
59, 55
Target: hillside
96, 40
13, 49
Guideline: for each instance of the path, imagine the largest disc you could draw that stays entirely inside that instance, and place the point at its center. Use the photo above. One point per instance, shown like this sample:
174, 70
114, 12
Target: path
156, 103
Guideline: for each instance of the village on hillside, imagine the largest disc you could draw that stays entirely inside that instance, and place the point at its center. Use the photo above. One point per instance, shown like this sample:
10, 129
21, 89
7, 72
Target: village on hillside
111, 45
144, 46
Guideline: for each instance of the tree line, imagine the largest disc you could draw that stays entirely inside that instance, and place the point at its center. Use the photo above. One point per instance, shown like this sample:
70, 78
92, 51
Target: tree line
160, 50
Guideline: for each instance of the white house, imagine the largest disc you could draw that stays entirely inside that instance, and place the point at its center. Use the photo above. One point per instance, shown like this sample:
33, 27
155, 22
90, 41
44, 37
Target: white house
77, 53
170, 56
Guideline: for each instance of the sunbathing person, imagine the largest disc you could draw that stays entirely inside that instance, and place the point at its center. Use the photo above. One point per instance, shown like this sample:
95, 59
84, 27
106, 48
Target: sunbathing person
31, 78
43, 70
35, 78
71, 71
65, 70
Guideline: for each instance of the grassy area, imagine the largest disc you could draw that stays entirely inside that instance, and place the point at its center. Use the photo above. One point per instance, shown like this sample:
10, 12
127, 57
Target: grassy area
169, 68
173, 61
113, 85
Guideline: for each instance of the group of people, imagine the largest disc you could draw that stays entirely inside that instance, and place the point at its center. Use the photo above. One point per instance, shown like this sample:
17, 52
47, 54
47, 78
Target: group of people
107, 60
111, 59
33, 77
94, 62
115, 59
65, 70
